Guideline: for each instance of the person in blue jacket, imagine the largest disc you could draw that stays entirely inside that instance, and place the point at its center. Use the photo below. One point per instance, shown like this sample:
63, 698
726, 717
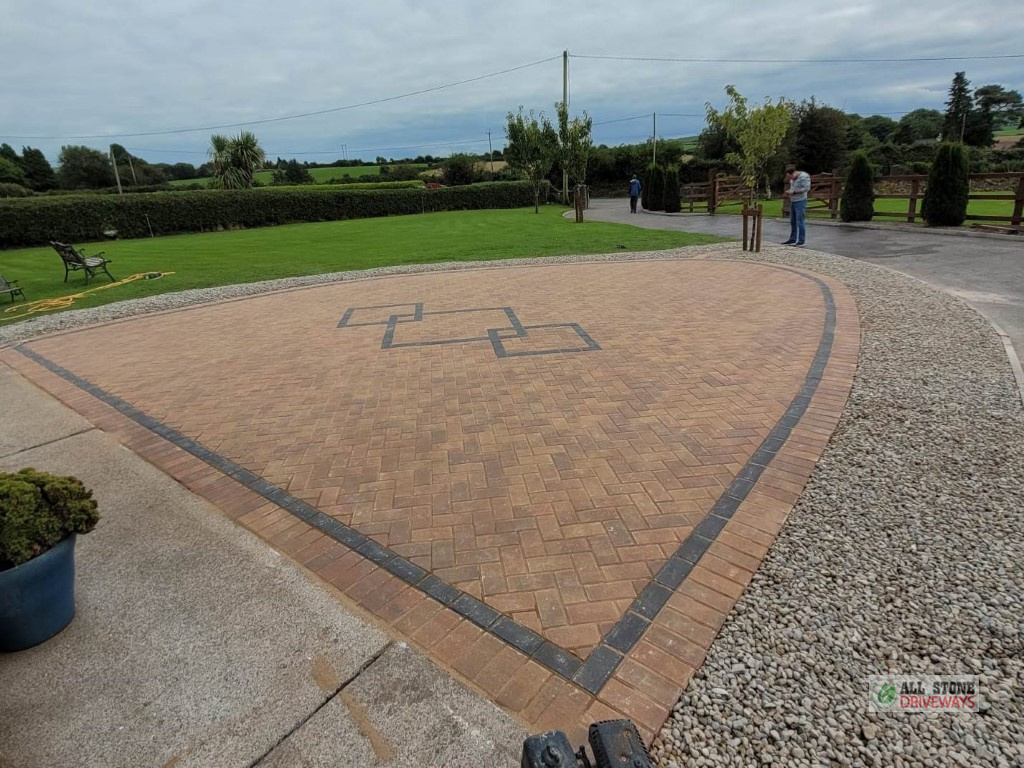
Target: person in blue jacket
634, 193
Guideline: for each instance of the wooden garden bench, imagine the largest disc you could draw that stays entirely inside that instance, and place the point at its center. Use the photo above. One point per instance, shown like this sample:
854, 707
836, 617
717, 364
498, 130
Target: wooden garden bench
75, 260
11, 287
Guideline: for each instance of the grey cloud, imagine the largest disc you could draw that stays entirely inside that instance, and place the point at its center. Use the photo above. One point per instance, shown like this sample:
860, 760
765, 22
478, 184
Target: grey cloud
125, 66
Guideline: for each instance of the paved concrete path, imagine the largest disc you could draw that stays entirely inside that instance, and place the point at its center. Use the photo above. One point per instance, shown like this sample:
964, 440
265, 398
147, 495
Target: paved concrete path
554, 479
195, 644
985, 270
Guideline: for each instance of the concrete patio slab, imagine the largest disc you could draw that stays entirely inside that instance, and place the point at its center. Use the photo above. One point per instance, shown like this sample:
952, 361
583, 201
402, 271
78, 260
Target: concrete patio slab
193, 645
402, 711
28, 418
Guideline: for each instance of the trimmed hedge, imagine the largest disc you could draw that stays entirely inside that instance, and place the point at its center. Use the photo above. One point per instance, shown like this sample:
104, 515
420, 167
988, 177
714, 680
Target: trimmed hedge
84, 218
412, 184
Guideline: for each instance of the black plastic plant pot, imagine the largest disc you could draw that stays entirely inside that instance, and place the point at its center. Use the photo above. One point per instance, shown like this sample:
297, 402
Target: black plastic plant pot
37, 598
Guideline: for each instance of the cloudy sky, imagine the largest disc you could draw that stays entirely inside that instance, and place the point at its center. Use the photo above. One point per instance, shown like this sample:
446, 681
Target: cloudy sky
73, 70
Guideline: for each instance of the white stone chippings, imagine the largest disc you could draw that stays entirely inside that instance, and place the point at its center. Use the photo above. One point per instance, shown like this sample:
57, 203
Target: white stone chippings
904, 554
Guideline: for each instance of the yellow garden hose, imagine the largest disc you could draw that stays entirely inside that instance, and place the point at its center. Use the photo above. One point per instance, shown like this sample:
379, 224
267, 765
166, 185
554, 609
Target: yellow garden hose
18, 311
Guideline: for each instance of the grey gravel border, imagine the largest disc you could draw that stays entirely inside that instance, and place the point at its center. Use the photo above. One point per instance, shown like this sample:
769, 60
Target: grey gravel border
903, 555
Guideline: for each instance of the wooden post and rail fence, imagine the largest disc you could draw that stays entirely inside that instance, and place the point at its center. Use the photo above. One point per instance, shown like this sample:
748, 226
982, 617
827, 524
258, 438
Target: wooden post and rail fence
720, 192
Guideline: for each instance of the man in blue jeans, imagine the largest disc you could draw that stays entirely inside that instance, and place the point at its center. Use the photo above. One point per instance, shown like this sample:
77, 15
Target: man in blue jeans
799, 185
634, 193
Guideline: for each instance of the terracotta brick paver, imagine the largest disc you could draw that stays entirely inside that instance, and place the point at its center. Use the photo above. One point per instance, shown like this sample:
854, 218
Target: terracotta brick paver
543, 439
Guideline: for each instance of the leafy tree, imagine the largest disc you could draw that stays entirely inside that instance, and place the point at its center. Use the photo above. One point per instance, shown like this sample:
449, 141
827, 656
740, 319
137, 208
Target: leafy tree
574, 144
945, 197
459, 168
858, 202
531, 149
10, 172
671, 190
84, 168
180, 171
38, 171
714, 144
880, 126
856, 134
820, 137
403, 172
1006, 107
235, 160
292, 172
979, 130
917, 125
7, 153
958, 108
759, 132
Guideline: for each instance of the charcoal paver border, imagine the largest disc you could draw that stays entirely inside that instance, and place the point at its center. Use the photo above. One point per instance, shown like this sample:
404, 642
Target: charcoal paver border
592, 673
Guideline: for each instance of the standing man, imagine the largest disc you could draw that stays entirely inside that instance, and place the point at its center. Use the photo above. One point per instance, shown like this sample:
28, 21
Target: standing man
634, 193
799, 185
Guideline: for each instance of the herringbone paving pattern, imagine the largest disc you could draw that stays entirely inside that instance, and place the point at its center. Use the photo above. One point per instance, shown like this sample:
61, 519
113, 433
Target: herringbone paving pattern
551, 485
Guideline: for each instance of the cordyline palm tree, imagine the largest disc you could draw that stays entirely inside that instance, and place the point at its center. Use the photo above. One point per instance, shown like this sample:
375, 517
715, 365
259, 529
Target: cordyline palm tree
235, 160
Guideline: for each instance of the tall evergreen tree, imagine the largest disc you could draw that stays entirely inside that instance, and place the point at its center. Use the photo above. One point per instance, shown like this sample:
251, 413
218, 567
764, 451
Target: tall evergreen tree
945, 197
655, 187
958, 108
858, 203
671, 189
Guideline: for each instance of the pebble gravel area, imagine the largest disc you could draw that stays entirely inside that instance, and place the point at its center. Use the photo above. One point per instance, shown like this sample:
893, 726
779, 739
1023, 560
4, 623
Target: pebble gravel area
903, 555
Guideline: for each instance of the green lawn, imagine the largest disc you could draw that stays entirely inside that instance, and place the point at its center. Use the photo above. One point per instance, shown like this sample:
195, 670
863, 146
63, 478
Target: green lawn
223, 258
319, 175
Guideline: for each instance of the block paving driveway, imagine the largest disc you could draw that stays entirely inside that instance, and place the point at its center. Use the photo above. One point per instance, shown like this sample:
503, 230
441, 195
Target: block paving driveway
554, 479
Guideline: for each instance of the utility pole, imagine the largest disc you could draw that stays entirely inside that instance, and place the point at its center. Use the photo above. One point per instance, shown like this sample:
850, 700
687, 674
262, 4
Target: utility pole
490, 151
565, 102
654, 132
116, 174
135, 181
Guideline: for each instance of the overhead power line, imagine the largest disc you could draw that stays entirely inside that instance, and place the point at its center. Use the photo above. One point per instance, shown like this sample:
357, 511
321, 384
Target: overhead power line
623, 119
293, 152
798, 61
297, 116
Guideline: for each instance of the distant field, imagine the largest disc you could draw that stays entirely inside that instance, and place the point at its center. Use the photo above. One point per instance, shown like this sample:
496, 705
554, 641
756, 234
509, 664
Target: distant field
319, 175
1007, 138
